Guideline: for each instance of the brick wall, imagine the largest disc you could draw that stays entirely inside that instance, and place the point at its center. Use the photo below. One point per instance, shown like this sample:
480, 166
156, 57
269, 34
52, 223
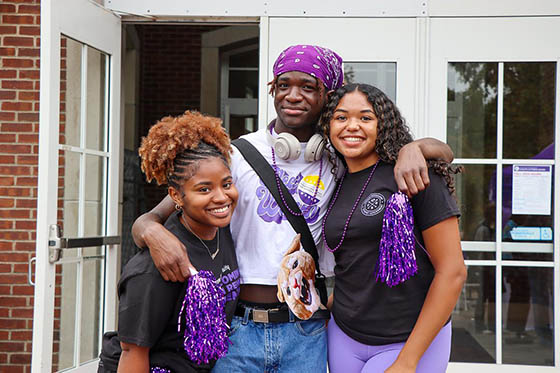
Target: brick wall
169, 78
19, 116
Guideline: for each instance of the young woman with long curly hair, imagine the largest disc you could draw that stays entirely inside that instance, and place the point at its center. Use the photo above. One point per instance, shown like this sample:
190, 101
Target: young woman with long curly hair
378, 325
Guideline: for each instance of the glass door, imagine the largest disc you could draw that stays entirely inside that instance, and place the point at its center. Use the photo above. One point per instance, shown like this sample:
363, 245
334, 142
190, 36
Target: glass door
78, 211
494, 86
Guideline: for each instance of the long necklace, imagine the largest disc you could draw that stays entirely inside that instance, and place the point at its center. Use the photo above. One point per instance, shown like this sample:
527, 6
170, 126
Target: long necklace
275, 168
201, 241
351, 211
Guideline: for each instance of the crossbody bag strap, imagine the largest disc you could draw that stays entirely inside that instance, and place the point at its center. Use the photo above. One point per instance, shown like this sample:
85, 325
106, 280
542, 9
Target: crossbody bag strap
266, 173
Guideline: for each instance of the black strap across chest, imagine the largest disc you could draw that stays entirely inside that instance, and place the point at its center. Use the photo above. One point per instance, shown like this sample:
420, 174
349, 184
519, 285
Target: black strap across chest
266, 173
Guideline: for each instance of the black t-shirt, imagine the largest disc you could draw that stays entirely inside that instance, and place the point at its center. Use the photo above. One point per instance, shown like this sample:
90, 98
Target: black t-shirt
371, 312
149, 306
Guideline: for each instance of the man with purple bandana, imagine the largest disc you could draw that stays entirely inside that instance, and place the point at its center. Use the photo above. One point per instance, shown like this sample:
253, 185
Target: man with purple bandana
319, 62
303, 76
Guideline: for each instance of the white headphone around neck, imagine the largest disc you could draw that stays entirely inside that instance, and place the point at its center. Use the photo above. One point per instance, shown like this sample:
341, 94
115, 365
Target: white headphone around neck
286, 146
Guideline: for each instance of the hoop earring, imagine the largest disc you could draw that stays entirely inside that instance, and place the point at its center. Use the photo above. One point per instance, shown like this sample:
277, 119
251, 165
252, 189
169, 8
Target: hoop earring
177, 207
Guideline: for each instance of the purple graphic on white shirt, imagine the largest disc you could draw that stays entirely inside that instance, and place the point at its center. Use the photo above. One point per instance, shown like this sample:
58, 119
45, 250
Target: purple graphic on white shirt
269, 210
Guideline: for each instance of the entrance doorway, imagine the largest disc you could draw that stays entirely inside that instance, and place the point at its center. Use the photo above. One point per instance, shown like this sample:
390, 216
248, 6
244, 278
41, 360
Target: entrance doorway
210, 68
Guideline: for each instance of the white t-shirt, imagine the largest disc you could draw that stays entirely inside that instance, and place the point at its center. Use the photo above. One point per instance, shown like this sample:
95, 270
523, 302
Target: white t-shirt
260, 230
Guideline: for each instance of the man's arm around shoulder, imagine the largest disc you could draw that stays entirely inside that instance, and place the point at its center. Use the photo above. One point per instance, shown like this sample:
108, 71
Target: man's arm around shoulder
168, 253
411, 169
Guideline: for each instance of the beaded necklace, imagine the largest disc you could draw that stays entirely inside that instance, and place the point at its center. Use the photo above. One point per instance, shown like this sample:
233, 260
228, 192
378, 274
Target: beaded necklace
275, 168
351, 211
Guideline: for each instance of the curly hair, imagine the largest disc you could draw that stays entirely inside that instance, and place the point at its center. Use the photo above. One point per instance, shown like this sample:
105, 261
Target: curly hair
392, 130
174, 145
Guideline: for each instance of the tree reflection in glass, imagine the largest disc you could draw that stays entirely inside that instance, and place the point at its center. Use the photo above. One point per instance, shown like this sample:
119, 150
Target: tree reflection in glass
529, 93
472, 91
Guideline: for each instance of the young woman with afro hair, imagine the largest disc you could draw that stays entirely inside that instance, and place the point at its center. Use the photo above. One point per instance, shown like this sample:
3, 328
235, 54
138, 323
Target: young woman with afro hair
191, 154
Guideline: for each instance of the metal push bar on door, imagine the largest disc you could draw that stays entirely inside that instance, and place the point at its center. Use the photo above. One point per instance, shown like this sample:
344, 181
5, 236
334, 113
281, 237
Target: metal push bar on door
58, 243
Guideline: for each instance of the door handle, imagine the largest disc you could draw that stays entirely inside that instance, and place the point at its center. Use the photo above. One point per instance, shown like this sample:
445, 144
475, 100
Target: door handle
58, 243
30, 270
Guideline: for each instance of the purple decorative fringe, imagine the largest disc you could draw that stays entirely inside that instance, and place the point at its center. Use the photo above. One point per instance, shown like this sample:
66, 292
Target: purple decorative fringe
205, 336
159, 370
397, 258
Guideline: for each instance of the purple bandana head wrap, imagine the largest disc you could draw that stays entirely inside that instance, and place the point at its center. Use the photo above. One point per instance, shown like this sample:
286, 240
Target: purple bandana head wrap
316, 61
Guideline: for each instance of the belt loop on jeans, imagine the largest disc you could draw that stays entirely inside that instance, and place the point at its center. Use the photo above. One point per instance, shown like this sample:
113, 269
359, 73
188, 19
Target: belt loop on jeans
246, 316
292, 316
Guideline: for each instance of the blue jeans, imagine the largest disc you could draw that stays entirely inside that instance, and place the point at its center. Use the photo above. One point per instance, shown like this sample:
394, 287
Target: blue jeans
296, 346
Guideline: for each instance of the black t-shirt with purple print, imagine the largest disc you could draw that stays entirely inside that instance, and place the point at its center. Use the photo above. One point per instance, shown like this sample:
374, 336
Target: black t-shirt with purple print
368, 311
149, 305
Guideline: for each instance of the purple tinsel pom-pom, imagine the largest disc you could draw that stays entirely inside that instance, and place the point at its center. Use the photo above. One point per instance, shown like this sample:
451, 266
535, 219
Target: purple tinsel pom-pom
206, 329
397, 259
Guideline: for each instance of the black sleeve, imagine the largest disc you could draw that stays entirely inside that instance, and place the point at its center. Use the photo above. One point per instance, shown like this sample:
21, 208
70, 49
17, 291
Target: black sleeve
434, 204
146, 304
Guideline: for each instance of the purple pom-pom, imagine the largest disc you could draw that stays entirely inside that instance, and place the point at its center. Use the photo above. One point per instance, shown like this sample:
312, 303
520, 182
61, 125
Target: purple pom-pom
206, 329
397, 258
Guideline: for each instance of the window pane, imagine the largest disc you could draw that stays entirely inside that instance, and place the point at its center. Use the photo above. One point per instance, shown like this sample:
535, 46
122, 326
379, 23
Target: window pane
478, 207
94, 195
91, 315
65, 316
96, 105
70, 91
245, 59
382, 75
474, 318
529, 94
528, 316
241, 125
471, 109
243, 84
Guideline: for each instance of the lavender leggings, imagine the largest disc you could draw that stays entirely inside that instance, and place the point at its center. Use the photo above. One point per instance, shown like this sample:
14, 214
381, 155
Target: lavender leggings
349, 356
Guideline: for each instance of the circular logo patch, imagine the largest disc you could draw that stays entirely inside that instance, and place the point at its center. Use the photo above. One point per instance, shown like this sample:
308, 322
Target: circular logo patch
373, 204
